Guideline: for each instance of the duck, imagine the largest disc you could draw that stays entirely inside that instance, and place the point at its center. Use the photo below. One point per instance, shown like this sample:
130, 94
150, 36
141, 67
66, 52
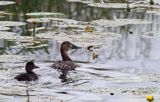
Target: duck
29, 75
66, 64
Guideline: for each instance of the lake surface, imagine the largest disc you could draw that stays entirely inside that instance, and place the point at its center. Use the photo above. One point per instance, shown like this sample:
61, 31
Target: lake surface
126, 70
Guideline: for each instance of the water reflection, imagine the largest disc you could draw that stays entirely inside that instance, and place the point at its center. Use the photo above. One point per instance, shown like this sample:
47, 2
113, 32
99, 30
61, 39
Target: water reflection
130, 46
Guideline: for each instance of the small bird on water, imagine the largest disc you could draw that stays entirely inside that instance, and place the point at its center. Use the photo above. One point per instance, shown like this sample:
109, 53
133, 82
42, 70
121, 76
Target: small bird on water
29, 75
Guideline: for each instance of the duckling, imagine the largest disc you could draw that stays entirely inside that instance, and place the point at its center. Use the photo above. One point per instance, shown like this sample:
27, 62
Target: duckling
30, 75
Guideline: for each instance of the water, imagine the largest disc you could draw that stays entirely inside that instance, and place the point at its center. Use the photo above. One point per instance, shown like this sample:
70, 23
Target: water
126, 68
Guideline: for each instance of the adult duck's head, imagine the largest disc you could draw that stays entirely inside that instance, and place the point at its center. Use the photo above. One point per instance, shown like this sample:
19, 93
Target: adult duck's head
30, 66
65, 46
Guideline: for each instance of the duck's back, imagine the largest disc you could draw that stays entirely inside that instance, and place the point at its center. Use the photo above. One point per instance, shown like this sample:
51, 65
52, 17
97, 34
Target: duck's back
64, 65
26, 77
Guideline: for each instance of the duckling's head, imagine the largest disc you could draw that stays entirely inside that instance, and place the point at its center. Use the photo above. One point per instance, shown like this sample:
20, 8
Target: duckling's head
66, 45
30, 66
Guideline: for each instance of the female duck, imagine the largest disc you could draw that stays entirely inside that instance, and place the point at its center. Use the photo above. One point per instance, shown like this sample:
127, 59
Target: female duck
66, 64
30, 75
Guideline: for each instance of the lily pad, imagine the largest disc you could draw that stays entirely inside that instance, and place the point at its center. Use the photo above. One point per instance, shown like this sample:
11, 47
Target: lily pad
13, 36
66, 21
14, 58
22, 45
11, 23
38, 46
64, 36
110, 5
74, 0
7, 35
56, 21
87, 43
6, 3
133, 21
147, 6
4, 28
42, 14
70, 26
118, 22
4, 13
47, 35
37, 20
85, 38
107, 23
108, 34
37, 29
80, 1
155, 11
29, 39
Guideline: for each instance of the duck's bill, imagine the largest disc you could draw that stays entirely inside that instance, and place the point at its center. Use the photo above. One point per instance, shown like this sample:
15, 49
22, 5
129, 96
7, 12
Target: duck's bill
75, 47
36, 66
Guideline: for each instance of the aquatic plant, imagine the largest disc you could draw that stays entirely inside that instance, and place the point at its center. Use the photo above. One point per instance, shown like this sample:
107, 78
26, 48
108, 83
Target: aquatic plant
45, 14
12, 23
88, 29
4, 28
150, 98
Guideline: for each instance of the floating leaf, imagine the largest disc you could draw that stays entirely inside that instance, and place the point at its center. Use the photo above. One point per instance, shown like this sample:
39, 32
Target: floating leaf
6, 2
84, 39
37, 29
110, 5
38, 46
147, 6
13, 36
133, 21
7, 35
14, 58
37, 20
40, 14
74, 0
4, 28
4, 13
107, 23
46, 35
156, 12
12, 23
86, 43
25, 38
118, 22
80, 1
64, 20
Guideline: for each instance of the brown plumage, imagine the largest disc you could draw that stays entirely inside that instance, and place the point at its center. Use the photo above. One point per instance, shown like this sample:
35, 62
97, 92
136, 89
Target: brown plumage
66, 64
30, 75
